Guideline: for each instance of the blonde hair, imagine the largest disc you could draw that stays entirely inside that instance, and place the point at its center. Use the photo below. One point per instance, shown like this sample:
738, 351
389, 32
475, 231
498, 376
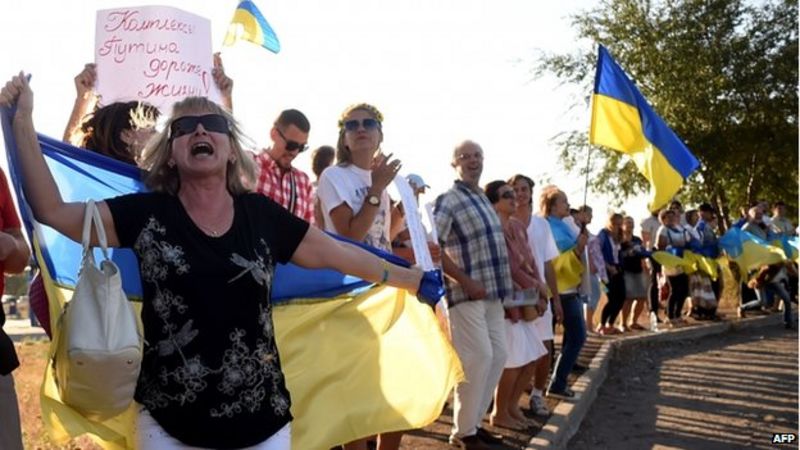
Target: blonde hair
548, 197
240, 173
343, 155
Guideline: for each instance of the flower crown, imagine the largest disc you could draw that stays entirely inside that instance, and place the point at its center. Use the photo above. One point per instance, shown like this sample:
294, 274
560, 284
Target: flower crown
363, 106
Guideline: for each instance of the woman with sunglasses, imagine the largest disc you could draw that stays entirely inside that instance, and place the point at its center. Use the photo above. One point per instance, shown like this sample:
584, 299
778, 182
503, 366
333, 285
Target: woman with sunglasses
354, 200
211, 375
352, 193
524, 344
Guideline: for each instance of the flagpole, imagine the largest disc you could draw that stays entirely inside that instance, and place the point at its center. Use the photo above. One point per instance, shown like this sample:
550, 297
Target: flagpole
586, 181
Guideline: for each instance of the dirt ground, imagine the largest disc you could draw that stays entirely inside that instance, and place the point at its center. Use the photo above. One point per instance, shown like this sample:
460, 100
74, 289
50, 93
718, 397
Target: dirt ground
729, 391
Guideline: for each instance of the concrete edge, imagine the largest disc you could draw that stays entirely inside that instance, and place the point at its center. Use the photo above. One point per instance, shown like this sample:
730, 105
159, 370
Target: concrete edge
21, 337
567, 417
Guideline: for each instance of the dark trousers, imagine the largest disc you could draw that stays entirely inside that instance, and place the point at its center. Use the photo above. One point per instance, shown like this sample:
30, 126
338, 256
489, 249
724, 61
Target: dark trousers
574, 338
616, 299
653, 288
679, 285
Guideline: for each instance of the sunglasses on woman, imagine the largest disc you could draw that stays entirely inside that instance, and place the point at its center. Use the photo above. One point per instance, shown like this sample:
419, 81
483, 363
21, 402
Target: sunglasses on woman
292, 145
216, 123
368, 124
508, 195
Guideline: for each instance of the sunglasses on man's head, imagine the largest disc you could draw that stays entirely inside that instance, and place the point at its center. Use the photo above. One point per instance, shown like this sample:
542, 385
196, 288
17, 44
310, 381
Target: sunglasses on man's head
216, 123
368, 124
292, 145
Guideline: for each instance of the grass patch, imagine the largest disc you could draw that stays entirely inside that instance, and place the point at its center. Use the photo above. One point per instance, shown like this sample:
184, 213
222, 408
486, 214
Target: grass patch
28, 379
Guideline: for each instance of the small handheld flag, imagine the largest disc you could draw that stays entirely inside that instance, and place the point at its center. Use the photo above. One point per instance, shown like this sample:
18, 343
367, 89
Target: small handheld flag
623, 120
250, 25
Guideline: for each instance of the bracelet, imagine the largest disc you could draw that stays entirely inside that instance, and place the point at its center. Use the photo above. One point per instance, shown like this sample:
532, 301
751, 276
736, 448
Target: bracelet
385, 265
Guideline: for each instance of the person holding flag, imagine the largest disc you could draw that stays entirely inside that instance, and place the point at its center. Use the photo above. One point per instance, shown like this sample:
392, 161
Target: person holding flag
571, 243
201, 239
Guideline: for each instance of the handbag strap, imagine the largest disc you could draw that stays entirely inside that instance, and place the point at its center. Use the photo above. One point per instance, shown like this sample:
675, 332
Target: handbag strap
92, 216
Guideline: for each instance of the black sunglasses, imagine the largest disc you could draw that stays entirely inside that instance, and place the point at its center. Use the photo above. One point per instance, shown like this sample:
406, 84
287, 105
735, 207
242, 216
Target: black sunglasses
188, 124
368, 124
292, 145
508, 195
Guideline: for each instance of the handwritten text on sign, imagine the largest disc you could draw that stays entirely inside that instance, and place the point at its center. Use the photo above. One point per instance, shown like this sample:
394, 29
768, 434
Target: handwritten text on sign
155, 54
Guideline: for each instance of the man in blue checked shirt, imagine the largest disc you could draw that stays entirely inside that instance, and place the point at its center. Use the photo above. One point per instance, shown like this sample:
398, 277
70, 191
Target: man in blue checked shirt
478, 278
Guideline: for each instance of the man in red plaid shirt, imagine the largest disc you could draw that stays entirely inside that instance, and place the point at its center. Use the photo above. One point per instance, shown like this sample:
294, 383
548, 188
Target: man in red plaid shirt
277, 179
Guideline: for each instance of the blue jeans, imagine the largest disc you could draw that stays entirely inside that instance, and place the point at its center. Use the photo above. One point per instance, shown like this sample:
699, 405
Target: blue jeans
765, 295
574, 337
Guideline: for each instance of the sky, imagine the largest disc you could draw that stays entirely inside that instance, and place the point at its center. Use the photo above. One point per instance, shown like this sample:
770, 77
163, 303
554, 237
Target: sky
440, 72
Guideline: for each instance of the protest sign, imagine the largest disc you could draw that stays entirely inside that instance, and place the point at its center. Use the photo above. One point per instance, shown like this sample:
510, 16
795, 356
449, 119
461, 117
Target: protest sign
154, 54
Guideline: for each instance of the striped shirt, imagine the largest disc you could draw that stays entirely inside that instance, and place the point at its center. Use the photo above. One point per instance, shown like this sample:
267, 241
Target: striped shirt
291, 189
470, 234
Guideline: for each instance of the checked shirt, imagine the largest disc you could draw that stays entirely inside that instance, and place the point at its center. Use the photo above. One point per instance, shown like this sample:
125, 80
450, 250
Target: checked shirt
291, 189
472, 236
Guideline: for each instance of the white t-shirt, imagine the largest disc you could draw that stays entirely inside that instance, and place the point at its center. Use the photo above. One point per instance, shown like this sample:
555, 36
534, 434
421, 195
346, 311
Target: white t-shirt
349, 184
542, 242
543, 246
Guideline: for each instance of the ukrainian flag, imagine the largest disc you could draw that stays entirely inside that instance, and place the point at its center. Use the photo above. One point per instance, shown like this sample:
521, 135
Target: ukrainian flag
622, 120
567, 265
250, 25
359, 359
751, 252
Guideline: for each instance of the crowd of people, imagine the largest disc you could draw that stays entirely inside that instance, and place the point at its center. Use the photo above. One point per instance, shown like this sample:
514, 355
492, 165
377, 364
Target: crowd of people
518, 266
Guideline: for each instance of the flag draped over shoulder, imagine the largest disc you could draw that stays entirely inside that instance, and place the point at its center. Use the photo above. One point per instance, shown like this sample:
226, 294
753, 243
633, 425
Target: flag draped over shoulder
250, 25
359, 359
567, 266
623, 120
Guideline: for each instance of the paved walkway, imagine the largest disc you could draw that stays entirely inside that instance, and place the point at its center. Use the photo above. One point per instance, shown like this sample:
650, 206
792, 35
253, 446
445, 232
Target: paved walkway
728, 391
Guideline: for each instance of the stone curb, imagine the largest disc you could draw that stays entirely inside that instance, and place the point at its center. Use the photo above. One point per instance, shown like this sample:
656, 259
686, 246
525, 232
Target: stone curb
566, 418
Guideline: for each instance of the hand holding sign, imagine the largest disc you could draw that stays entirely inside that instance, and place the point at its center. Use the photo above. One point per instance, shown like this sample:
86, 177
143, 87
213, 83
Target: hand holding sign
153, 54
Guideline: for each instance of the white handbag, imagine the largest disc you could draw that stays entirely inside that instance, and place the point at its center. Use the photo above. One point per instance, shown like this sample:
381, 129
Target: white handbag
98, 348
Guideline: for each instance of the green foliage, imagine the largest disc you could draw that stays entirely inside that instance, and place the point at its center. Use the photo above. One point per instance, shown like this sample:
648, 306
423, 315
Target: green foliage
722, 73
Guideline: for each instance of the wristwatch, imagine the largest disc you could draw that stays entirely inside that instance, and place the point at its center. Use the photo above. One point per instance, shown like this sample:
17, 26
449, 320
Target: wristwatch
373, 200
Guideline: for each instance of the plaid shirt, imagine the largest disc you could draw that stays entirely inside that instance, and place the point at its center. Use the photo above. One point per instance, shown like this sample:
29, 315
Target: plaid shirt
291, 189
470, 233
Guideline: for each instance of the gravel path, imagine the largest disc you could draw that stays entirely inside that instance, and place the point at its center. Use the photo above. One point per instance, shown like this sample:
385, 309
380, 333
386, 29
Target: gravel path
729, 391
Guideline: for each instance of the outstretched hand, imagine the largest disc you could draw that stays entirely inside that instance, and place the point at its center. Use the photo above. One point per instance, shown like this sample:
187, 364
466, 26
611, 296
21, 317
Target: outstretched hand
18, 92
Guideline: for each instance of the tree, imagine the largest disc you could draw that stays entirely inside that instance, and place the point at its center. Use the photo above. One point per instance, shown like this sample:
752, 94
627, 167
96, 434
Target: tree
722, 73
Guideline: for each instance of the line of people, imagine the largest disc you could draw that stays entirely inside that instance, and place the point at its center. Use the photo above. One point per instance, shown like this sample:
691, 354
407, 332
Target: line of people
514, 265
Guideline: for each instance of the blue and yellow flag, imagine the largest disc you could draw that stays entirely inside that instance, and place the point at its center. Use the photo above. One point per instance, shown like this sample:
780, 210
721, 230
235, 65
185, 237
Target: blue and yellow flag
567, 265
250, 25
751, 252
359, 359
623, 120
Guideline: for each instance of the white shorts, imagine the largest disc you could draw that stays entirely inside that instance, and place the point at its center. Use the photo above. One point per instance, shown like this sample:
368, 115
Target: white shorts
522, 343
150, 436
544, 324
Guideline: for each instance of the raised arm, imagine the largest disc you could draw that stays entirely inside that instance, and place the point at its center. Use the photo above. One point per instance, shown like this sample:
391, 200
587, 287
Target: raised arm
224, 82
85, 101
37, 181
318, 250
356, 224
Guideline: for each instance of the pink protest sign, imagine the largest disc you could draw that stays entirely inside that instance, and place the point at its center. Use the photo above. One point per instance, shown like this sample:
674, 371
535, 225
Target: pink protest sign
154, 54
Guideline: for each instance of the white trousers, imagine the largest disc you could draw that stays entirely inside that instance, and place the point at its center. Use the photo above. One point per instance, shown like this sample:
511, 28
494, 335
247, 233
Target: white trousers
10, 432
479, 337
150, 436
